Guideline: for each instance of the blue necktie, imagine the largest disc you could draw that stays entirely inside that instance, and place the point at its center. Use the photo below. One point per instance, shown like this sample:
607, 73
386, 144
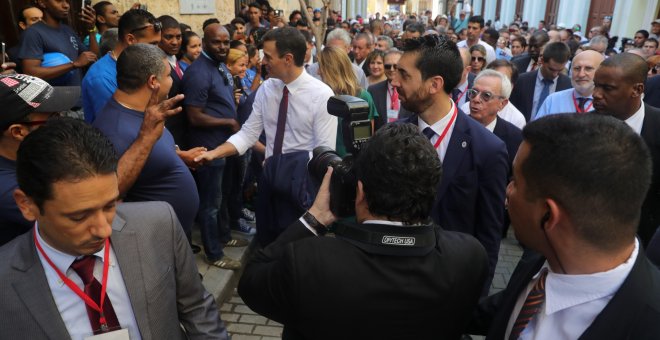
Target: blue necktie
428, 132
544, 93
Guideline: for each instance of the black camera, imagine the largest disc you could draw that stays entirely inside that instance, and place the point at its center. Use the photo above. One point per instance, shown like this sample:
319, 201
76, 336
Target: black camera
356, 129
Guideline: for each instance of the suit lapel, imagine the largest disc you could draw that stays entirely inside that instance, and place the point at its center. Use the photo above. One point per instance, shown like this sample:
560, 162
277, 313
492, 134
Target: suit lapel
32, 288
459, 144
124, 243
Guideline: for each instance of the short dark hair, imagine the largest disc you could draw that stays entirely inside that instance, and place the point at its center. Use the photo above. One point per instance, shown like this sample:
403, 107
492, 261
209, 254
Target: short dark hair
400, 172
415, 27
136, 64
564, 152
521, 40
236, 44
237, 20
61, 150
478, 19
557, 51
645, 33
99, 9
132, 20
208, 22
437, 56
168, 22
185, 40
255, 5
294, 13
634, 67
653, 40
308, 36
493, 33
505, 63
21, 15
288, 40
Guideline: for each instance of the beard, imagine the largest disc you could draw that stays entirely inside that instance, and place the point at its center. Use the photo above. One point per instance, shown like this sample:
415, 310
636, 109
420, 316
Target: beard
583, 89
418, 101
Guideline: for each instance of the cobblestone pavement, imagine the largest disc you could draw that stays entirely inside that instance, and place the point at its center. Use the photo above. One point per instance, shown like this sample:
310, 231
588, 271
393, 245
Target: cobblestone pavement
244, 324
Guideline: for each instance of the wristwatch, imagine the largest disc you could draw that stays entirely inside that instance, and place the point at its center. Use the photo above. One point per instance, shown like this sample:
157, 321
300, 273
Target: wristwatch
315, 224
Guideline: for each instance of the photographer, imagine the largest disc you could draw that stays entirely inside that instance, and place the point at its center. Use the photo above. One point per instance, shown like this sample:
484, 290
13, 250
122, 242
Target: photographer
394, 275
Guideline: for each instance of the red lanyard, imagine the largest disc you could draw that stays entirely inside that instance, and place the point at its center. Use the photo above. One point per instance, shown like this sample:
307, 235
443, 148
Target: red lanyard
74, 287
577, 107
458, 100
444, 132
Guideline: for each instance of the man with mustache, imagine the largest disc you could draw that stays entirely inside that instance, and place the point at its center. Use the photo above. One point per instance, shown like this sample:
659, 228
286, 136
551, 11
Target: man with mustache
579, 98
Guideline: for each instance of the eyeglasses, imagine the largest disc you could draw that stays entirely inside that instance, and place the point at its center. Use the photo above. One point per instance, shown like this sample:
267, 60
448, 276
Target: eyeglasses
390, 66
485, 96
157, 25
655, 68
478, 58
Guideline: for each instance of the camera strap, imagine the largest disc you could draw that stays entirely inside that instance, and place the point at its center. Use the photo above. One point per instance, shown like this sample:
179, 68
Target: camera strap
385, 239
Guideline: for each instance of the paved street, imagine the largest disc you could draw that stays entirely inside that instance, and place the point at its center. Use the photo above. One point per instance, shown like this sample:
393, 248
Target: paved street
244, 324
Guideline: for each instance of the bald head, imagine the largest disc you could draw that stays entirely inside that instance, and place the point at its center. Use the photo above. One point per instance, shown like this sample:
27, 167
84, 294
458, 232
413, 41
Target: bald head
216, 42
583, 70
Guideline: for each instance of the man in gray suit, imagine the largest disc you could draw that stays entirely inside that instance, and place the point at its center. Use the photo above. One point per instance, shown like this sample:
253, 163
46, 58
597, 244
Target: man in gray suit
83, 245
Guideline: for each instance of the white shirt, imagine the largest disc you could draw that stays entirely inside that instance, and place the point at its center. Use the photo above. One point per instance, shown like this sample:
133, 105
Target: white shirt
490, 51
572, 302
491, 126
538, 88
637, 120
508, 113
308, 123
439, 127
71, 307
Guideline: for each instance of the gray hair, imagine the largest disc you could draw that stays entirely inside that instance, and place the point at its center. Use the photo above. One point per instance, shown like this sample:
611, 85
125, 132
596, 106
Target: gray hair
340, 35
393, 50
109, 40
387, 39
504, 81
599, 40
136, 64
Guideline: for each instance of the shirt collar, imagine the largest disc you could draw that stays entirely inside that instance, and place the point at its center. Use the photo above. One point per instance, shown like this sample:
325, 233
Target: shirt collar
62, 260
637, 120
171, 59
539, 77
399, 223
439, 125
297, 83
491, 125
565, 291
463, 86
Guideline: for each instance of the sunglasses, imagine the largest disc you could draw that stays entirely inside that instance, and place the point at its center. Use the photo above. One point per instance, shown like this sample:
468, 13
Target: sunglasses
157, 25
485, 96
390, 66
478, 58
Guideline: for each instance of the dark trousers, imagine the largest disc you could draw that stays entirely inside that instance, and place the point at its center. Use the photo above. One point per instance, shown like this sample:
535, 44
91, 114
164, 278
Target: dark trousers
232, 190
209, 186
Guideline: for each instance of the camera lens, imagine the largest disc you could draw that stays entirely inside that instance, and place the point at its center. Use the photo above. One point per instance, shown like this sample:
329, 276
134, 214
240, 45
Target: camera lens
323, 157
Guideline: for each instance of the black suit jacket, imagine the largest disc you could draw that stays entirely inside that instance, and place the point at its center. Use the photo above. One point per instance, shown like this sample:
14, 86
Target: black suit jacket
178, 123
470, 196
335, 288
650, 218
511, 135
378, 93
633, 312
522, 62
652, 91
522, 96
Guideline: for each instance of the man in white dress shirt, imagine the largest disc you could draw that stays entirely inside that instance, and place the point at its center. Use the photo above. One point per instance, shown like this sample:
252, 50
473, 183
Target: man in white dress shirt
578, 99
474, 30
300, 100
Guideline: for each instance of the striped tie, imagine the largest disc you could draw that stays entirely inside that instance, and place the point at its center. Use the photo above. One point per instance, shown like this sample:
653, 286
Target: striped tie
531, 307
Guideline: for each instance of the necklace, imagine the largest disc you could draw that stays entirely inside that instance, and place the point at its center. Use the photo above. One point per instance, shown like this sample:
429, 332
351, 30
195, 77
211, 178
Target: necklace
127, 106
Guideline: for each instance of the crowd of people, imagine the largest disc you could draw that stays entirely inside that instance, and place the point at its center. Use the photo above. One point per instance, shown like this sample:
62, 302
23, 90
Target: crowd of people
476, 125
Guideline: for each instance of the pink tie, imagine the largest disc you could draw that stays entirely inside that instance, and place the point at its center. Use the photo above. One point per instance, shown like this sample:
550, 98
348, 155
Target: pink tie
394, 99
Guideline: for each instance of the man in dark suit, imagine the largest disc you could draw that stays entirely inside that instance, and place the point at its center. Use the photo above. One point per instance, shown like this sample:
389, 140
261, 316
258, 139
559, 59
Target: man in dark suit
470, 198
394, 275
652, 91
532, 88
590, 271
619, 84
170, 43
529, 61
150, 276
459, 93
385, 95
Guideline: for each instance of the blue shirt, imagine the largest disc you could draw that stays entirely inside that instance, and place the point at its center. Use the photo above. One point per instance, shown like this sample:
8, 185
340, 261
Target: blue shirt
41, 38
204, 86
164, 176
12, 223
99, 84
562, 102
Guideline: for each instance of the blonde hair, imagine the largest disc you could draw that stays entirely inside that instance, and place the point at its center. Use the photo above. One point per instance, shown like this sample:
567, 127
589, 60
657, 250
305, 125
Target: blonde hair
337, 72
234, 55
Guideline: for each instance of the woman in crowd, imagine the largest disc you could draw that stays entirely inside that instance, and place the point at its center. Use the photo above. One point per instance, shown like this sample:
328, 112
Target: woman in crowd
237, 62
375, 61
518, 45
336, 71
252, 78
478, 59
191, 49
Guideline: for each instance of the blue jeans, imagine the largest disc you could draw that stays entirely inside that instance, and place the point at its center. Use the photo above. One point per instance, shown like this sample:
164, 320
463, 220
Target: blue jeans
209, 186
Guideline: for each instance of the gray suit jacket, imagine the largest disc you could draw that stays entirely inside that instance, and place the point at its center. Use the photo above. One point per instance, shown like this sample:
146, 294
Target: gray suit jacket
156, 263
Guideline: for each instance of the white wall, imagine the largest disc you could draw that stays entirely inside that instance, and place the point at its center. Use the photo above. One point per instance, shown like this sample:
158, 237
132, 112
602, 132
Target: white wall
507, 11
533, 12
628, 18
573, 12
